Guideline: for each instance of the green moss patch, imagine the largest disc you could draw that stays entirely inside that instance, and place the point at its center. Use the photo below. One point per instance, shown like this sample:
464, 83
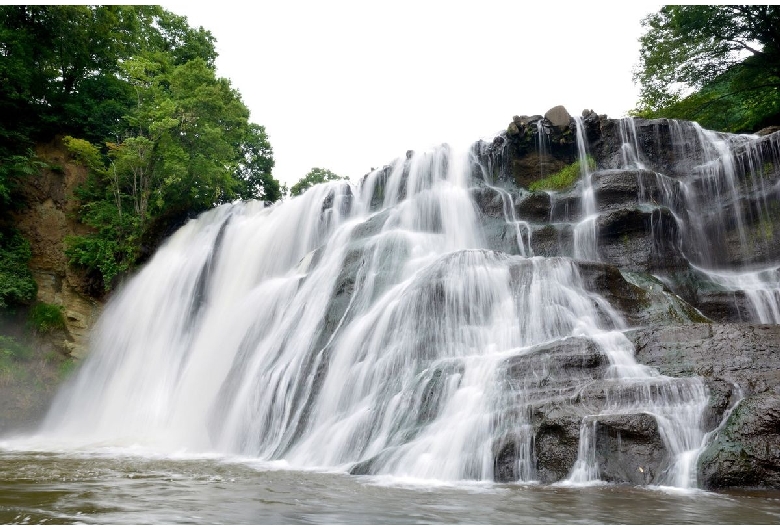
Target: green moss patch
563, 179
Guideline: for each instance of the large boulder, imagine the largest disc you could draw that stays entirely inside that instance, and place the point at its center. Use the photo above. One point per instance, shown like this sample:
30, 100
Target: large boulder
558, 117
556, 446
629, 448
746, 451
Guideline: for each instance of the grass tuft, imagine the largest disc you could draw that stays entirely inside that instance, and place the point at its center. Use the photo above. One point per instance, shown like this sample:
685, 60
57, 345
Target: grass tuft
45, 318
563, 179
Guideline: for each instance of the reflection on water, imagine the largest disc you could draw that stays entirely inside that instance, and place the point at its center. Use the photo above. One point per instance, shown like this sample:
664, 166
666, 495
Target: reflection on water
131, 489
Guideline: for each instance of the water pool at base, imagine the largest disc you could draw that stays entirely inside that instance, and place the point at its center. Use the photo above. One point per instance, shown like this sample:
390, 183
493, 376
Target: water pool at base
52, 488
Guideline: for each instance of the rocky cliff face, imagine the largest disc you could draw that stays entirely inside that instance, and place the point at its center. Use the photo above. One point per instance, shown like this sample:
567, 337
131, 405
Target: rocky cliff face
47, 219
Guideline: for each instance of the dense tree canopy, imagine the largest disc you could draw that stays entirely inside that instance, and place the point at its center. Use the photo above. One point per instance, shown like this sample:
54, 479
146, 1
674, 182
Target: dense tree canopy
134, 91
719, 65
315, 176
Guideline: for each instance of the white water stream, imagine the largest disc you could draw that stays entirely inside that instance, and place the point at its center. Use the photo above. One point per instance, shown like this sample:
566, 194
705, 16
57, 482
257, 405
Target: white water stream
585, 237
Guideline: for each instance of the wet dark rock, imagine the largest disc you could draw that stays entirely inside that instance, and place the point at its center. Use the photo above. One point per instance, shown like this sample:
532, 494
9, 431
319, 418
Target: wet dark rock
566, 207
380, 182
654, 139
622, 224
488, 201
505, 468
345, 205
640, 240
746, 452
725, 306
734, 360
430, 400
617, 187
562, 383
366, 467
660, 305
548, 379
534, 207
558, 117
555, 446
552, 240
552, 367
610, 283
629, 448
714, 302
757, 244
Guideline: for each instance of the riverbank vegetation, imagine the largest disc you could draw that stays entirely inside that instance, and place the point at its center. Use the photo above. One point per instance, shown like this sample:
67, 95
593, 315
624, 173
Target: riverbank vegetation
718, 65
134, 92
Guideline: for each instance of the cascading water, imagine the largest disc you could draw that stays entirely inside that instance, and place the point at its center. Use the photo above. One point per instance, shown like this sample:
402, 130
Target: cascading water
542, 145
329, 335
370, 328
720, 196
522, 229
629, 148
585, 241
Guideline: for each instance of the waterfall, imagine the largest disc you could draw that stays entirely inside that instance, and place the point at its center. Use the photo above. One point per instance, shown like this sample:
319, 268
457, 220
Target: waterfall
370, 328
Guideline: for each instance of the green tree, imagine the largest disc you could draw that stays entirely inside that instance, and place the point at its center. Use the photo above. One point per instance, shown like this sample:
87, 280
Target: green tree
719, 65
315, 176
60, 71
135, 91
113, 247
213, 124
188, 146
253, 172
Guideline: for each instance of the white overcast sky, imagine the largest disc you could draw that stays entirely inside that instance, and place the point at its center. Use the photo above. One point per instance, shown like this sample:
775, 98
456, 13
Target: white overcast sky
351, 85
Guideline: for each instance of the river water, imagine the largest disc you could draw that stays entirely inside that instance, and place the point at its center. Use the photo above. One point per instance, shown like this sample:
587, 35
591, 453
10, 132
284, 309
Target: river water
138, 487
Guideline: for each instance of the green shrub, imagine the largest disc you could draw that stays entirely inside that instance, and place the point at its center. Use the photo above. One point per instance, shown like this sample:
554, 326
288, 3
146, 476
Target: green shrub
563, 179
11, 355
45, 318
11, 350
17, 286
66, 368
